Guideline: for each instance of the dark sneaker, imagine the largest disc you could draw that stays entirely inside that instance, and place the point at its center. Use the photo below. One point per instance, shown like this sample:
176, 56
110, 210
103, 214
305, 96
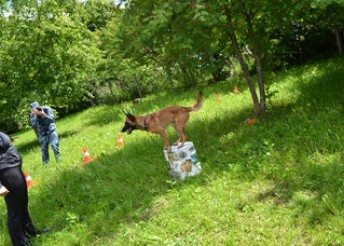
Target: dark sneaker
35, 232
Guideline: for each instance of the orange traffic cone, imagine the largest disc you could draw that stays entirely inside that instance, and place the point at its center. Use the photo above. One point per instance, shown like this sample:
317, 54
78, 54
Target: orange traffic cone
236, 90
251, 121
29, 181
120, 142
219, 98
87, 157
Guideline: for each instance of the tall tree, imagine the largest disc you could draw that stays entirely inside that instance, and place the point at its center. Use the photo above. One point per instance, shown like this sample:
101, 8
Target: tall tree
46, 55
178, 36
250, 23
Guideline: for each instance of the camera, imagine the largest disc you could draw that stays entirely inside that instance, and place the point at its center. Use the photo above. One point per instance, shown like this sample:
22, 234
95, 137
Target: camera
39, 109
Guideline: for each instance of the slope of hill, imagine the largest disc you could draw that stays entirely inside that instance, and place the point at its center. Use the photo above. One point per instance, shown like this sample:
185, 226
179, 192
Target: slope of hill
276, 182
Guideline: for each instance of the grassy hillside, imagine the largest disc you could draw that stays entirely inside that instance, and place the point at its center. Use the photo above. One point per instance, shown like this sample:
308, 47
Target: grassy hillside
277, 182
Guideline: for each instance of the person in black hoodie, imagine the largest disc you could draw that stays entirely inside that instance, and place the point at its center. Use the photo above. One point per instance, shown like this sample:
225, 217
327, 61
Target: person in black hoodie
13, 188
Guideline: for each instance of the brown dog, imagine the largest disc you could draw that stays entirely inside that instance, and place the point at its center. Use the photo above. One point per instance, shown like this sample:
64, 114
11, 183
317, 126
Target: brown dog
157, 122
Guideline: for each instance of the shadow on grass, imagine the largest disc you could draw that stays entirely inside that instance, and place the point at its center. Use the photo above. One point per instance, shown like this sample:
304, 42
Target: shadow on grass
34, 143
299, 147
284, 147
114, 188
106, 115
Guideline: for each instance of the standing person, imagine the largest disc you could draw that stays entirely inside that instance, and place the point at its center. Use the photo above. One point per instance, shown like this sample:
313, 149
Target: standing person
44, 120
13, 188
32, 117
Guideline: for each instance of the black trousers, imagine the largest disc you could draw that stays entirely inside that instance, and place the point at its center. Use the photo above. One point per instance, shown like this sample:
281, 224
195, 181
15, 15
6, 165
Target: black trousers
18, 217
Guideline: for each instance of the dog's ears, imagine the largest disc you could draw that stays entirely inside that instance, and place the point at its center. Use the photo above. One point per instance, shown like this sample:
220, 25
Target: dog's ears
130, 117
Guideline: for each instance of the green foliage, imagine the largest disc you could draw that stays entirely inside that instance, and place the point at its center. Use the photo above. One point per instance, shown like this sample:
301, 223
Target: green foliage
305, 32
180, 37
73, 54
44, 58
276, 182
97, 13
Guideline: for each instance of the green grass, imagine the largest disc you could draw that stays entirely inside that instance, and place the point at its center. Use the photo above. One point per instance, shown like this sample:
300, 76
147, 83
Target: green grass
277, 182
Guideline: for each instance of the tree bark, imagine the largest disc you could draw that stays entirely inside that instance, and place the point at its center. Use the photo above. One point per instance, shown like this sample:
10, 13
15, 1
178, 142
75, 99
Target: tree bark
261, 83
258, 61
244, 66
339, 39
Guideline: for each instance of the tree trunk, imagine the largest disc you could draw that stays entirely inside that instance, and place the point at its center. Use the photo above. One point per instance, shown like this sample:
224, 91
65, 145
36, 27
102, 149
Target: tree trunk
111, 91
261, 84
258, 61
339, 39
243, 66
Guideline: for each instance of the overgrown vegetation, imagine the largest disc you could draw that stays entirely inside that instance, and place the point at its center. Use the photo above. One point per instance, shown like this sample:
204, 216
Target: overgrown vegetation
74, 54
276, 182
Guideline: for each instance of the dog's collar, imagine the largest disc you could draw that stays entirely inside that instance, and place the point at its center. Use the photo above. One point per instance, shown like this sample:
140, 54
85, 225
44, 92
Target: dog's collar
145, 125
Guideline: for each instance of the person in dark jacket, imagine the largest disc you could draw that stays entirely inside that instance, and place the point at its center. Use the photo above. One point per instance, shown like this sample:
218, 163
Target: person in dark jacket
43, 119
13, 188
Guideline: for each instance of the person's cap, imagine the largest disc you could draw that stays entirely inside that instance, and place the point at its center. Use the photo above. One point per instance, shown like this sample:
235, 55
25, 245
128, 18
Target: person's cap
34, 105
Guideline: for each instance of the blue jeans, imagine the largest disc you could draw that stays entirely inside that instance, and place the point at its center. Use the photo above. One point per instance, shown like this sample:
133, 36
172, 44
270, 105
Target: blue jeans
53, 139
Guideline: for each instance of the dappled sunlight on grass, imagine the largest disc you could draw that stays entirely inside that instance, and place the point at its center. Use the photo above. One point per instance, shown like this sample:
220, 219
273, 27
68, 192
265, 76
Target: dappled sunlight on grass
276, 182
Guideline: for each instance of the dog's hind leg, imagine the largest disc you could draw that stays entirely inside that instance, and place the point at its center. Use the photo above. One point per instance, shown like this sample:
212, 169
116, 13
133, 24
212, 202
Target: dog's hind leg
163, 135
184, 137
179, 134
181, 124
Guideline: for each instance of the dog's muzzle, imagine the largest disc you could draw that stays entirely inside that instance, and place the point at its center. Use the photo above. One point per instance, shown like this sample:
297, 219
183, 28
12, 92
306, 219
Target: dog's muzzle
128, 128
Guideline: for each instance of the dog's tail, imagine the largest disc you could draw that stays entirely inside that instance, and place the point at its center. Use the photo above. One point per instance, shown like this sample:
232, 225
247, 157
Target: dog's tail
199, 102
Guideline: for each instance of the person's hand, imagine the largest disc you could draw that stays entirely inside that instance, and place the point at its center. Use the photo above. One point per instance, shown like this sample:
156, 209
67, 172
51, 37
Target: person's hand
40, 112
35, 112
3, 191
